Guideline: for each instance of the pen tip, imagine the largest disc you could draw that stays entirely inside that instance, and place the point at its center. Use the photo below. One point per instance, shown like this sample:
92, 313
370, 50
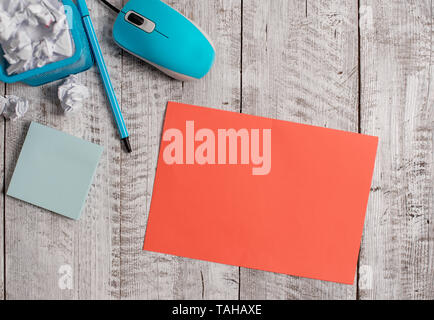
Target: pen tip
127, 144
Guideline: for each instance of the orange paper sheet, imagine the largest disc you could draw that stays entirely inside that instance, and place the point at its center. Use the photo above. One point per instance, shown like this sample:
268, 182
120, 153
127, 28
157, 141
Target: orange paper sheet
280, 197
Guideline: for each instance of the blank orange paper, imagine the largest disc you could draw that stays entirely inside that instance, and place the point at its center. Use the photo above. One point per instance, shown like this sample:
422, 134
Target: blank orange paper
260, 193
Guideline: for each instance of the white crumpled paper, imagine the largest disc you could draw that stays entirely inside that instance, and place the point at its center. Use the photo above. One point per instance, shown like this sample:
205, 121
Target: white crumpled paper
13, 107
72, 94
33, 33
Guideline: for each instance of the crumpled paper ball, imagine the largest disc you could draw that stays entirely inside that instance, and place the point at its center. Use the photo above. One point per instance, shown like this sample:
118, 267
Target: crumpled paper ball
13, 107
72, 94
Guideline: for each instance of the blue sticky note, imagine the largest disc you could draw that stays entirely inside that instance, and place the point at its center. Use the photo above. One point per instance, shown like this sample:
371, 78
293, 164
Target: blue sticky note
55, 171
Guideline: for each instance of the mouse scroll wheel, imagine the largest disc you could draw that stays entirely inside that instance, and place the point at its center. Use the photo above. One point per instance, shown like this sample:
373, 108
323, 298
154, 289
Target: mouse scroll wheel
136, 19
140, 21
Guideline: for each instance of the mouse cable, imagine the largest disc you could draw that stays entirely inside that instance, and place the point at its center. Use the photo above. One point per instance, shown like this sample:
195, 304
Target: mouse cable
108, 4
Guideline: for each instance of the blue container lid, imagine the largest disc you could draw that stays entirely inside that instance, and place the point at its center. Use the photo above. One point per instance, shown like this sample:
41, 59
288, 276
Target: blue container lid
81, 60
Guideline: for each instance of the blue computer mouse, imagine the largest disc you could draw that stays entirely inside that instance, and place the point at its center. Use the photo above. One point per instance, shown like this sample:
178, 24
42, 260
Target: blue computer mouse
163, 37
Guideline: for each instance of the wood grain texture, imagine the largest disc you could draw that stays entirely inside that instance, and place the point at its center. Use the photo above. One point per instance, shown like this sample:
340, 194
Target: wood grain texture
295, 60
145, 93
38, 242
397, 254
300, 63
2, 198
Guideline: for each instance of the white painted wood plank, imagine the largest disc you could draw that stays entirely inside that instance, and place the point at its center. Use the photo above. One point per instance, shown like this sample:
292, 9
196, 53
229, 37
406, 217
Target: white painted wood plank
145, 93
397, 255
300, 63
2, 165
39, 242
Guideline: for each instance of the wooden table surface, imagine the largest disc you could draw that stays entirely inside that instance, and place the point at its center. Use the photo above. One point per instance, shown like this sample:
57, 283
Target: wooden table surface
364, 67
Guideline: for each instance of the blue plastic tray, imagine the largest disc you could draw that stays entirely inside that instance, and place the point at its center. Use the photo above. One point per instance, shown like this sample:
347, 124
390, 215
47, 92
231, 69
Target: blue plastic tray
81, 61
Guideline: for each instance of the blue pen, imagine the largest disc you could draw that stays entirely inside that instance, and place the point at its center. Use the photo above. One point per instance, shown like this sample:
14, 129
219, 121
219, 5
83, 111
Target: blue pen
114, 104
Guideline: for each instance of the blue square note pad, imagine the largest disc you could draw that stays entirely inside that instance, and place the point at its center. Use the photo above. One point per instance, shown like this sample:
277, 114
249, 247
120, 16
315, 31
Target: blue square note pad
55, 170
